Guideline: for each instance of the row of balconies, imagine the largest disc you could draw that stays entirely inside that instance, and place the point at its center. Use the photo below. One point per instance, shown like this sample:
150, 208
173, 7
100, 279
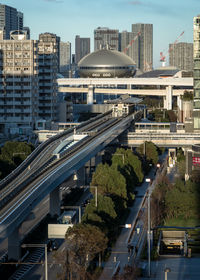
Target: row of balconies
4, 119
14, 110
18, 79
15, 103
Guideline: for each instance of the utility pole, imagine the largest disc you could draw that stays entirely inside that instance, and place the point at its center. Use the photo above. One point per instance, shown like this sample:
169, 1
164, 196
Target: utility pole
148, 235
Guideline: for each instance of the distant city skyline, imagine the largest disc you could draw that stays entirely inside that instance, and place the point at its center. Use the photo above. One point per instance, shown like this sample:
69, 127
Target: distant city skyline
68, 18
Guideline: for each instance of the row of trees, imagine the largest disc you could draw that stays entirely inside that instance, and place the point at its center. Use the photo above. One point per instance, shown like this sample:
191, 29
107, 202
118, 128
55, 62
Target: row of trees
180, 199
12, 154
100, 225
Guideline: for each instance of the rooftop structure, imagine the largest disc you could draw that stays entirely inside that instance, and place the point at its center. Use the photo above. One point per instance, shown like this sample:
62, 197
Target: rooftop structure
106, 63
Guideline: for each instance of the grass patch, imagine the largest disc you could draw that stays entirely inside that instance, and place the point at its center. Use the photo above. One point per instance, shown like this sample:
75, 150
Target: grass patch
182, 222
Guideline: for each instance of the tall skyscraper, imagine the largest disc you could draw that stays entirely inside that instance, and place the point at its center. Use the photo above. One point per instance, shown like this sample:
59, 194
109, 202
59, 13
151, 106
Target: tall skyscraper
48, 57
82, 47
10, 20
130, 45
20, 21
144, 59
27, 29
196, 56
104, 36
181, 56
65, 57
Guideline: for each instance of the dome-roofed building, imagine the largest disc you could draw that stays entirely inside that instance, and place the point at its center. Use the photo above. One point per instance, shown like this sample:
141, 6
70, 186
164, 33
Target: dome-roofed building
106, 63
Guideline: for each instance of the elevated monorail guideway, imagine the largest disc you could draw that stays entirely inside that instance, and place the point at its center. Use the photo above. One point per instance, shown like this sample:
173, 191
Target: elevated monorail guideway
18, 208
42, 156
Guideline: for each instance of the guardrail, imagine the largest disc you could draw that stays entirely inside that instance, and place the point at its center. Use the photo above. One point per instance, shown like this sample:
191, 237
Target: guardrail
39, 149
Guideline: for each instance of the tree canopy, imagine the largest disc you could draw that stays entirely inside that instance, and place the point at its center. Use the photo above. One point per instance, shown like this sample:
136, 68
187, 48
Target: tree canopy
109, 181
150, 151
12, 154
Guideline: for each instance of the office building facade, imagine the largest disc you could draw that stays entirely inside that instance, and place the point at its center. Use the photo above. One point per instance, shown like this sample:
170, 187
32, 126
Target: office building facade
18, 84
144, 56
130, 45
103, 37
82, 48
181, 56
65, 58
196, 57
48, 64
10, 20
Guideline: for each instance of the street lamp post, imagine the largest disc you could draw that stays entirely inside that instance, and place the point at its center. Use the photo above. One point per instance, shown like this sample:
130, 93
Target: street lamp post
148, 237
167, 269
149, 228
45, 253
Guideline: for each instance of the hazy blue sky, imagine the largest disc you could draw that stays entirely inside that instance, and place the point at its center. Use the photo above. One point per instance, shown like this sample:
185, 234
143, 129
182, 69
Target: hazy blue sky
68, 18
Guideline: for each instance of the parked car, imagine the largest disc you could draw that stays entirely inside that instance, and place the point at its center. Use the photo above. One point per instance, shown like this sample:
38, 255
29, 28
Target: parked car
52, 245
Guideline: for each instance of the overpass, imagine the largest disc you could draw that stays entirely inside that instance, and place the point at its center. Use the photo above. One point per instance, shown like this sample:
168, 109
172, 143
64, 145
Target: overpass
165, 139
163, 87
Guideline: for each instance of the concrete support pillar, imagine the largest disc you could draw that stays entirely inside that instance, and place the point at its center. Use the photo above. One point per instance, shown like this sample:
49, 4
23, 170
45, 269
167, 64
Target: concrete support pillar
180, 108
188, 169
90, 99
90, 167
14, 250
81, 176
179, 102
165, 102
54, 202
169, 91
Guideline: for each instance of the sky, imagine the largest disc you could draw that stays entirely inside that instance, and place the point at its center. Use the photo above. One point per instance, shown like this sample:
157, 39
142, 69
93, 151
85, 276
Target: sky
68, 18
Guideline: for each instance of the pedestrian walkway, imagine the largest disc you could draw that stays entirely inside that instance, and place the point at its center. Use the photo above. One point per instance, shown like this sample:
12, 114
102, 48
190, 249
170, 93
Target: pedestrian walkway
180, 269
120, 255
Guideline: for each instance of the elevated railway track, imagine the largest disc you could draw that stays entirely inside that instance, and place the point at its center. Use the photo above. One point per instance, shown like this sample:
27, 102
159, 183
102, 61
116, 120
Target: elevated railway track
19, 196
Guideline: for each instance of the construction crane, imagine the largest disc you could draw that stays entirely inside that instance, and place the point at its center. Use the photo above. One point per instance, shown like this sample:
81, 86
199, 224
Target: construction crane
131, 42
162, 56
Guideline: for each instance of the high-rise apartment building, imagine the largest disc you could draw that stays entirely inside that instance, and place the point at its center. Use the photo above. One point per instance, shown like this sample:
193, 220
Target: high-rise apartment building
48, 57
28, 81
130, 45
103, 37
196, 56
18, 84
82, 47
181, 56
144, 58
65, 58
10, 20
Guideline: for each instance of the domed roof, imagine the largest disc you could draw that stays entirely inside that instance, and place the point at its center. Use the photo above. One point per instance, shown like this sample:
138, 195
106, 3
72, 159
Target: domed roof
105, 57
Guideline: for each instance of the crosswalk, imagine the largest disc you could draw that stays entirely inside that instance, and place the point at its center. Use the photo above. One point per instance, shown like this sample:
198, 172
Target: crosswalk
23, 269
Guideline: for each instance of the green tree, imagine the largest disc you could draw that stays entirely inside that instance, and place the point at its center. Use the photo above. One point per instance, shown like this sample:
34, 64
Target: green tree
109, 181
84, 242
12, 154
149, 151
102, 216
124, 157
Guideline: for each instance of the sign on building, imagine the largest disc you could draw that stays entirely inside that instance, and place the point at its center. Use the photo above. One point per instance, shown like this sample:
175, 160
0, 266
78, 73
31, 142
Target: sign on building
196, 161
